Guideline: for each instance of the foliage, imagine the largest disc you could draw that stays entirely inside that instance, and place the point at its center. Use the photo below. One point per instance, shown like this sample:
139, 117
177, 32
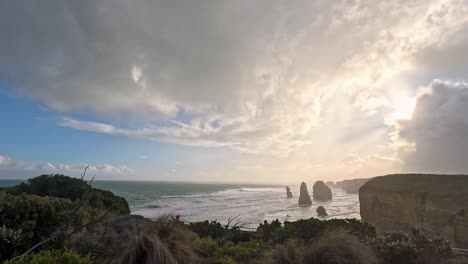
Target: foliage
287, 253
27, 219
55, 185
416, 247
61, 186
307, 229
32, 213
12, 242
207, 228
339, 246
331, 247
215, 230
53, 257
227, 251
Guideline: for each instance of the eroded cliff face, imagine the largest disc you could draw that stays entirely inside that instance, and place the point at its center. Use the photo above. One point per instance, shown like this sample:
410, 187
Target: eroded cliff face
438, 203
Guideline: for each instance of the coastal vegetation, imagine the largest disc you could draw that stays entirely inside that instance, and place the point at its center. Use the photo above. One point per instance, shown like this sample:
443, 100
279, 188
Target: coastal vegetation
59, 219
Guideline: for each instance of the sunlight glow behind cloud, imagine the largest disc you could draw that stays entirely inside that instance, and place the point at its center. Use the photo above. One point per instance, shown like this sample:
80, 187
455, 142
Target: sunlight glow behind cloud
311, 82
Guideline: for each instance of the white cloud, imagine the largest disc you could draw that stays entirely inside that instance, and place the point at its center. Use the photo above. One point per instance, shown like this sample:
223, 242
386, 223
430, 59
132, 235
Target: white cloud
312, 80
23, 169
4, 161
436, 138
136, 74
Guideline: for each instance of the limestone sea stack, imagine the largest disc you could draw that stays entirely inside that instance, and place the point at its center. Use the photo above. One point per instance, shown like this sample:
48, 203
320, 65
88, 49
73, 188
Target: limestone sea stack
400, 202
304, 197
321, 191
321, 211
288, 192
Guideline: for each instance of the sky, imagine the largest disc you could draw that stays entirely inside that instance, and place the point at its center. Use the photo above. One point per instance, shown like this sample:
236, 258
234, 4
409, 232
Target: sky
237, 91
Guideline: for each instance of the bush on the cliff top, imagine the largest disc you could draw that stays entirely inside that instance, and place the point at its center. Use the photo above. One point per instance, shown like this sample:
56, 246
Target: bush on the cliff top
61, 186
307, 229
215, 251
416, 247
331, 247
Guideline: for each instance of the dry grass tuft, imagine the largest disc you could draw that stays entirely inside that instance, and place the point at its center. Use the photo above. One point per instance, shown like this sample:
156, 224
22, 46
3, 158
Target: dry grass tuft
289, 253
159, 242
339, 247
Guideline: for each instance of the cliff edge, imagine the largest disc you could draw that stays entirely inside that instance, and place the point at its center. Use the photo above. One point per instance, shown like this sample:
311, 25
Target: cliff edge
399, 202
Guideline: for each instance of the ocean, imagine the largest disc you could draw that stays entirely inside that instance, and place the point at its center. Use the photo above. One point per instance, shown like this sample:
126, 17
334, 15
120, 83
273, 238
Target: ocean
251, 204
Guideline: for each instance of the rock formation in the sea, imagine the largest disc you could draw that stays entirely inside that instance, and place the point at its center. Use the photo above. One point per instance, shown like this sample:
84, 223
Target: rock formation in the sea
288, 192
351, 186
304, 197
321, 211
330, 184
321, 191
400, 202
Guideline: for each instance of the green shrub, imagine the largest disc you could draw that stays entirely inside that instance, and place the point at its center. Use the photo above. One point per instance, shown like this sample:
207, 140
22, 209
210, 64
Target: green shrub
12, 242
307, 229
206, 247
227, 251
416, 247
339, 247
57, 185
53, 257
215, 230
32, 213
27, 219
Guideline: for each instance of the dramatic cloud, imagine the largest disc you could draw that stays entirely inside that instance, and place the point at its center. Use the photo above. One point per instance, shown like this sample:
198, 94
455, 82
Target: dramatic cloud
28, 169
314, 81
436, 138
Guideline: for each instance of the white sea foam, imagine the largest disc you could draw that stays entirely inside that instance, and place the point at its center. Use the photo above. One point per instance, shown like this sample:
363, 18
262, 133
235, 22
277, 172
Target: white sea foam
251, 205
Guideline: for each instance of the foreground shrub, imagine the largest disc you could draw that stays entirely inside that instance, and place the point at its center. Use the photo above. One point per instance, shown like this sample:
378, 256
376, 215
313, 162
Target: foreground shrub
417, 247
28, 219
53, 257
213, 251
288, 253
12, 242
339, 247
134, 239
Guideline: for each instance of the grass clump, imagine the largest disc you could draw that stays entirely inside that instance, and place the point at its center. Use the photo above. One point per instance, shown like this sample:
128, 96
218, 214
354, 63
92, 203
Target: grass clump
158, 242
339, 247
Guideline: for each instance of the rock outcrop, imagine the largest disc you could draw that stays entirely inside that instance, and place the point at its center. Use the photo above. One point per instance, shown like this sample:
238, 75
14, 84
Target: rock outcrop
304, 197
321, 191
288, 192
330, 184
321, 211
351, 186
437, 203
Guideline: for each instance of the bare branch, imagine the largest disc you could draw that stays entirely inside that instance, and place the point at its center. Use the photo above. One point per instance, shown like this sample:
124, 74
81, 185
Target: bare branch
84, 172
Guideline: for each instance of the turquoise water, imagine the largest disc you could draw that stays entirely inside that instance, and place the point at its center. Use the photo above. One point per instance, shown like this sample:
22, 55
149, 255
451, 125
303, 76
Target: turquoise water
145, 193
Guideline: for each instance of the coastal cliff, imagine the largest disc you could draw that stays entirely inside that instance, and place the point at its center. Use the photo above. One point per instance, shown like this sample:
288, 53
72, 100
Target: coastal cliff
351, 186
400, 202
